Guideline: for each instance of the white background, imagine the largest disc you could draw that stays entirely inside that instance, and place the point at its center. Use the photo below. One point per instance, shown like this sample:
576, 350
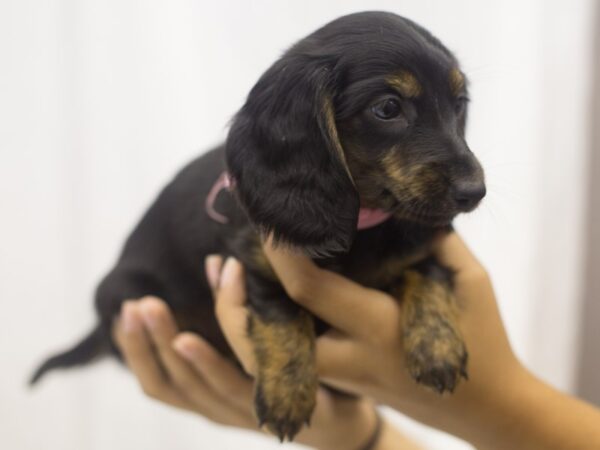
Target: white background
102, 101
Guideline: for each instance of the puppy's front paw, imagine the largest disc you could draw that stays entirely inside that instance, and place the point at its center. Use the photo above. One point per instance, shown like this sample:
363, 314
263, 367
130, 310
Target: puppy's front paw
435, 352
435, 356
286, 381
285, 405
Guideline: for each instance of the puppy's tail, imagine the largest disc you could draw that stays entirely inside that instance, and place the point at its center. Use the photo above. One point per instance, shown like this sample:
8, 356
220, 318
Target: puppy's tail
93, 345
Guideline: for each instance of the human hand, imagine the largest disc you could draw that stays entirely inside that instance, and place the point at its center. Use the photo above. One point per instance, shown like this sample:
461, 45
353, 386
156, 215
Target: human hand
202, 382
502, 406
184, 371
364, 352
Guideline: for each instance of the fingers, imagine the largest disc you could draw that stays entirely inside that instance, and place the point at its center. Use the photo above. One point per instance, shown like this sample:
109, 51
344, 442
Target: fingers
230, 307
335, 354
220, 374
163, 329
212, 266
344, 304
139, 356
168, 375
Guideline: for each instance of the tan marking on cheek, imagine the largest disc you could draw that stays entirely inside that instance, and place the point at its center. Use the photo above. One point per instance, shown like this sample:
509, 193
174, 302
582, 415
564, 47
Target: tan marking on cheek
405, 83
457, 81
418, 181
426, 182
406, 180
393, 168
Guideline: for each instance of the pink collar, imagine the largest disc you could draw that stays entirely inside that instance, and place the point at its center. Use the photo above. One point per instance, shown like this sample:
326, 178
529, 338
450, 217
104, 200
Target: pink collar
223, 182
367, 217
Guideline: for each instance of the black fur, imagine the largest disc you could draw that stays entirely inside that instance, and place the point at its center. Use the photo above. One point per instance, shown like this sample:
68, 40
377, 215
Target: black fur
281, 130
306, 151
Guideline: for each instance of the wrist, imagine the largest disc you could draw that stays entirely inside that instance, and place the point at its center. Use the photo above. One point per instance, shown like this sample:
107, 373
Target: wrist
355, 431
374, 440
536, 415
492, 415
482, 410
346, 424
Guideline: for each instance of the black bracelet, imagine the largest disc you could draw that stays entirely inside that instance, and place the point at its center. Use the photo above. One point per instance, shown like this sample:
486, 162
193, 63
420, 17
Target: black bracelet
374, 439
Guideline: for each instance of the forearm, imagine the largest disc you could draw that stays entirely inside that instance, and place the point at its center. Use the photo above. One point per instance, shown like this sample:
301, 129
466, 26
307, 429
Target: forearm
548, 419
514, 411
533, 415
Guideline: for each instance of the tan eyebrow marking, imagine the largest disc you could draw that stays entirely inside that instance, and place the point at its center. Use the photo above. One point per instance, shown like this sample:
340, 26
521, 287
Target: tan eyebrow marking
457, 81
405, 83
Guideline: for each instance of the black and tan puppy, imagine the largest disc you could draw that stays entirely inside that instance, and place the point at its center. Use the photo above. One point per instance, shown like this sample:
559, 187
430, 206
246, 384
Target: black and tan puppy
350, 147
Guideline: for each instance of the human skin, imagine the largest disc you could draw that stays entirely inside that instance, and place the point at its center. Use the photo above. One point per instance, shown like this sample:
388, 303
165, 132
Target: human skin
502, 406
184, 371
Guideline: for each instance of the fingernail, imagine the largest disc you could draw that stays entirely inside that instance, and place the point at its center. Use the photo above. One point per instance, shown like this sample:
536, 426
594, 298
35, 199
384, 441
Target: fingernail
212, 265
230, 271
190, 346
131, 322
148, 315
184, 350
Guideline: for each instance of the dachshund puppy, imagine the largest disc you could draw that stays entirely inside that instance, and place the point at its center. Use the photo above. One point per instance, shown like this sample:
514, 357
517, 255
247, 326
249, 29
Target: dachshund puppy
351, 148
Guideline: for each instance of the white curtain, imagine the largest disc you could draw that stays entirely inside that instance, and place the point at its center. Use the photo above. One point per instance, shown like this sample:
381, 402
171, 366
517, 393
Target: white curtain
102, 101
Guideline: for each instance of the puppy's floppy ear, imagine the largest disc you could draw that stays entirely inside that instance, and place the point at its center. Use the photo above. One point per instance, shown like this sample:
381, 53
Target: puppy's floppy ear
286, 159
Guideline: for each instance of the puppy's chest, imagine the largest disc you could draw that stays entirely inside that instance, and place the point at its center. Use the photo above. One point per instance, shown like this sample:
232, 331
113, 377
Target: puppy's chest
381, 270
379, 260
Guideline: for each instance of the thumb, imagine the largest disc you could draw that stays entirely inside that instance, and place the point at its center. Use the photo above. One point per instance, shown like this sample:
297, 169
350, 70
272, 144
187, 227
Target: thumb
212, 267
231, 312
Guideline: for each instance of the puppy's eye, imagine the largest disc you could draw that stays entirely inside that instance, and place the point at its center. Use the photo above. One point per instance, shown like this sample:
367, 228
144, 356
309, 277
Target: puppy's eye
387, 109
460, 105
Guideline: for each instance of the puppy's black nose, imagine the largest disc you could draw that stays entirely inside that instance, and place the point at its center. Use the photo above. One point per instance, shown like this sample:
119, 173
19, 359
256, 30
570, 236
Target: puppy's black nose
467, 194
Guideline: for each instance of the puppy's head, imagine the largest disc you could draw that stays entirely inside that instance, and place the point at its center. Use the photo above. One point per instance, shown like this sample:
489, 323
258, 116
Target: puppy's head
369, 111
